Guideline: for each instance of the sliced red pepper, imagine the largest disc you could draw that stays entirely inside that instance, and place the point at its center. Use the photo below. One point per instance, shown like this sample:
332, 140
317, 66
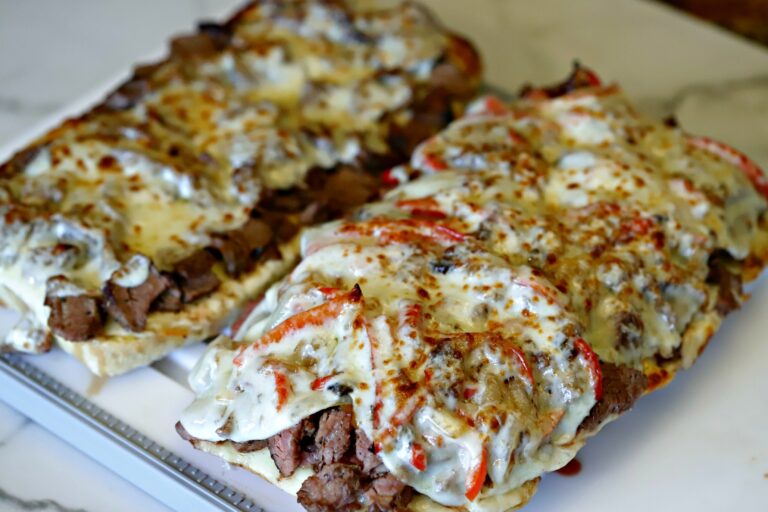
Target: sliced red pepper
316, 316
476, 477
244, 315
320, 382
418, 457
525, 368
424, 207
329, 291
412, 315
283, 388
733, 157
587, 75
405, 230
594, 365
434, 163
516, 137
495, 106
389, 179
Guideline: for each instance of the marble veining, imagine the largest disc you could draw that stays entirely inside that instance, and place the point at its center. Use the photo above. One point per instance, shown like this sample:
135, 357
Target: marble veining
715, 91
13, 503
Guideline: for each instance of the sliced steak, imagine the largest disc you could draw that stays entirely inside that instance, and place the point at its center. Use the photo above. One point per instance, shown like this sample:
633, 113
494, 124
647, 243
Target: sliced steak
347, 188
368, 460
622, 386
450, 74
129, 305
75, 314
388, 493
195, 275
238, 247
430, 115
727, 280
20, 160
170, 299
285, 449
334, 435
250, 446
334, 488
579, 78
128, 95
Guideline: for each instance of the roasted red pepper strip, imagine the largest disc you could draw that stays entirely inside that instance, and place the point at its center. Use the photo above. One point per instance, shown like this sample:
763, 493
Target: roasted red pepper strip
587, 75
312, 317
495, 106
734, 157
328, 291
404, 230
424, 207
476, 477
389, 179
418, 457
594, 365
282, 386
525, 368
434, 163
320, 382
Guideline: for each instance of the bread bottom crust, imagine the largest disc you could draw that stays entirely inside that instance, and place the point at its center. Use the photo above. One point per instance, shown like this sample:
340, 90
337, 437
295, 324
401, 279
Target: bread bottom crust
118, 350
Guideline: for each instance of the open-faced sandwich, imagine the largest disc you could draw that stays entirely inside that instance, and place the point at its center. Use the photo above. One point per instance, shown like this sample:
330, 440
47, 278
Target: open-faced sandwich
536, 268
146, 223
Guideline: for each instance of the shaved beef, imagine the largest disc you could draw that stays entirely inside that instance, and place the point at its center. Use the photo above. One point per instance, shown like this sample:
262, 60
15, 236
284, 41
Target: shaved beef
368, 460
334, 435
203, 43
170, 299
195, 275
728, 282
237, 247
450, 74
250, 446
74, 317
388, 493
220, 35
430, 115
579, 78
622, 386
349, 187
128, 95
334, 488
129, 306
20, 161
285, 449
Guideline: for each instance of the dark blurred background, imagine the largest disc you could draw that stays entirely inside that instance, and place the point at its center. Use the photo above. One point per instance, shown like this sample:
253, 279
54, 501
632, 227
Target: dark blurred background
749, 18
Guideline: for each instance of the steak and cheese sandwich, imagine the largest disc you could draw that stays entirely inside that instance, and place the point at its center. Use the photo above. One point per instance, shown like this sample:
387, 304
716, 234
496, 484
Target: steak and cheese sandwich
145, 223
539, 266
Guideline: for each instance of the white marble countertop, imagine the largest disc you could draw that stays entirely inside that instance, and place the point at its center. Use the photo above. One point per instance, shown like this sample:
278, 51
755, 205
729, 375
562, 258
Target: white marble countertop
52, 52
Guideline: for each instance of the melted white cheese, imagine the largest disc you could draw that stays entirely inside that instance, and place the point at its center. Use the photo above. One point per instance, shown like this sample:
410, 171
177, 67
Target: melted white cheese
299, 87
531, 233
